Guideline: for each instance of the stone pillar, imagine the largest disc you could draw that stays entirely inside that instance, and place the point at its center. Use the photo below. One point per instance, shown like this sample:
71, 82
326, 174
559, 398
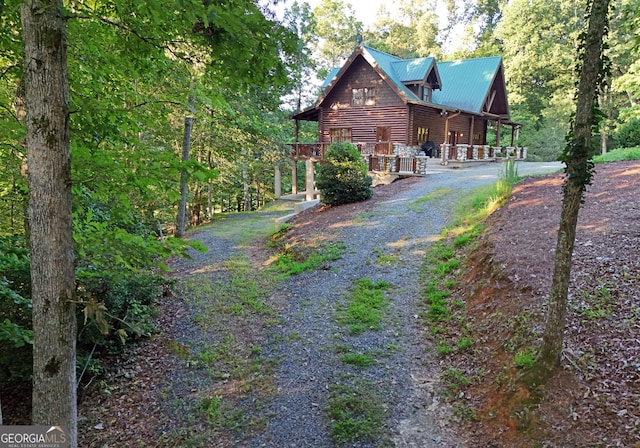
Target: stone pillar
476, 152
497, 151
309, 180
277, 182
461, 152
294, 178
421, 163
445, 152
391, 163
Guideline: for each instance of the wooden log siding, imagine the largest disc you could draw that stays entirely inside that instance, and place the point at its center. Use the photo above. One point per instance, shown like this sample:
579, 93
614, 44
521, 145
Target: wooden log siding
389, 110
461, 124
360, 76
365, 130
426, 117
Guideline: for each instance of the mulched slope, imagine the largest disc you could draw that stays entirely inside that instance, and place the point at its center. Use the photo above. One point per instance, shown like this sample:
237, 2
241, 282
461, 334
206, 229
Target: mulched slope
595, 399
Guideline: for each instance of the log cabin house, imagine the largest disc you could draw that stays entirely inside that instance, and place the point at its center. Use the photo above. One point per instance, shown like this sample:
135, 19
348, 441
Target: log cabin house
400, 112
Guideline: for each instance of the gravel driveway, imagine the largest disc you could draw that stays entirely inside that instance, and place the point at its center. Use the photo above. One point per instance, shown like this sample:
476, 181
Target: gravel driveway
308, 343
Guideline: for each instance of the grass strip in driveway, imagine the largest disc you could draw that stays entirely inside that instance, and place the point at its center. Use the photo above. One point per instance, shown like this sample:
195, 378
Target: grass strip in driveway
366, 307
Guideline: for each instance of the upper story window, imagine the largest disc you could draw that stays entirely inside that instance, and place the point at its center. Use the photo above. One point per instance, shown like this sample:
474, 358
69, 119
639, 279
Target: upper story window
427, 94
365, 96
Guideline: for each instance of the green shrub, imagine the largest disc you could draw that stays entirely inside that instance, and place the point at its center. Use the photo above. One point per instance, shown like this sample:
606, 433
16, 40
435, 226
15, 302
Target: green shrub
628, 134
619, 154
15, 313
342, 177
117, 308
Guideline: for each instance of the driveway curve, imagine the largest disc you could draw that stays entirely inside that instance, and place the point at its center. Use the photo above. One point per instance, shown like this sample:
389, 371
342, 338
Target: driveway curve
386, 245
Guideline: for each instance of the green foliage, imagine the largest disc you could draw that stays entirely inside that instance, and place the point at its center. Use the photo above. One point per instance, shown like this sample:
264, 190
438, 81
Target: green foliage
117, 308
358, 359
455, 378
408, 31
435, 195
290, 262
342, 177
597, 303
619, 154
222, 414
545, 143
336, 27
15, 293
509, 173
525, 358
357, 412
536, 36
465, 342
365, 307
14, 334
15, 312
628, 134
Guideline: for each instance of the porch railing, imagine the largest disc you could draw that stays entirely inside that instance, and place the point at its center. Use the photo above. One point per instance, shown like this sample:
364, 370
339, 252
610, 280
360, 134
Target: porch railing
390, 163
466, 153
308, 150
380, 156
317, 150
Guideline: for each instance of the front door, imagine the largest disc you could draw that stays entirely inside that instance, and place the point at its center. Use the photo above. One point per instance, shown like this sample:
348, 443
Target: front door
383, 133
453, 138
383, 137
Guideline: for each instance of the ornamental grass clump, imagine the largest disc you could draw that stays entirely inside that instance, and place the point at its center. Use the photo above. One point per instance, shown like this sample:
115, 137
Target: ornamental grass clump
342, 177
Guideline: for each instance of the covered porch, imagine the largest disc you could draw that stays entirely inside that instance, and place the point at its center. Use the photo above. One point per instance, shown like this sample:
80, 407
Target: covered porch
394, 159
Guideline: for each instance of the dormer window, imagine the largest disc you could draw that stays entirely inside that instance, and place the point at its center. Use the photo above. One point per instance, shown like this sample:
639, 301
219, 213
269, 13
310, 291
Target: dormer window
365, 96
427, 94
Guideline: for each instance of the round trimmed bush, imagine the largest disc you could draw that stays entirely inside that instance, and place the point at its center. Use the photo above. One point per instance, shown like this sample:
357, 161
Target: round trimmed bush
342, 177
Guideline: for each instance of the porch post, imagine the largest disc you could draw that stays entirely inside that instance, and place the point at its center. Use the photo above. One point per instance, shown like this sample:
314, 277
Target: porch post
498, 132
294, 177
310, 184
277, 182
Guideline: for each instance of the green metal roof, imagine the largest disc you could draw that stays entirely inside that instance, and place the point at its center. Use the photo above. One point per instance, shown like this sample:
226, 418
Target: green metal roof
330, 77
387, 62
466, 83
413, 69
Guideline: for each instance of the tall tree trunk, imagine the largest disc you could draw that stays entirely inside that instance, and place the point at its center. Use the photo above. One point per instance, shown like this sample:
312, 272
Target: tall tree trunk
247, 195
184, 186
209, 189
50, 219
578, 169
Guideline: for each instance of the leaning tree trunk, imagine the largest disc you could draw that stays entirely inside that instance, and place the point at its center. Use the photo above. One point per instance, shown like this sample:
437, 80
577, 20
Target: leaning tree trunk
577, 158
50, 219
